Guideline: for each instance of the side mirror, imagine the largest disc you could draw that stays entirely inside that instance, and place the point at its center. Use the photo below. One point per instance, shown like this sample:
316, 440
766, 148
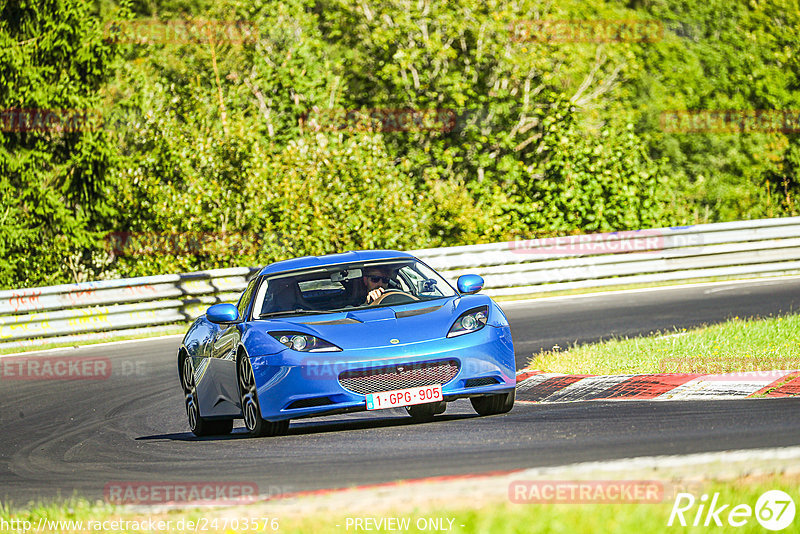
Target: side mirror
469, 283
222, 313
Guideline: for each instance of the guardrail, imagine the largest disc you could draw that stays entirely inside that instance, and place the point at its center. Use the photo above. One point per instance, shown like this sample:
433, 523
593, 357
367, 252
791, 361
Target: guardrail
91, 310
766, 247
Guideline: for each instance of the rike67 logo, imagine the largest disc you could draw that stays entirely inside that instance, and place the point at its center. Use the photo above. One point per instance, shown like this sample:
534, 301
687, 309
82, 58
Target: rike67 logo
774, 510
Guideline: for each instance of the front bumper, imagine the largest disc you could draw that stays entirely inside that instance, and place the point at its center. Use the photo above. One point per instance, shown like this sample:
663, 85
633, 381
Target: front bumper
292, 384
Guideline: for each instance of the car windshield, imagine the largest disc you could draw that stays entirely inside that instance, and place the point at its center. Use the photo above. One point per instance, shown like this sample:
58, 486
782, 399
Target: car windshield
345, 287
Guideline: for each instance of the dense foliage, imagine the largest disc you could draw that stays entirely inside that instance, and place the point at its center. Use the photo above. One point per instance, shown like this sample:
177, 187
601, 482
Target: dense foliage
52, 203
225, 133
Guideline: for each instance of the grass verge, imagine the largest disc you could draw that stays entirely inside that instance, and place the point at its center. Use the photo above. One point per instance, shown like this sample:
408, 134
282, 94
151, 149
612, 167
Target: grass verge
496, 515
737, 345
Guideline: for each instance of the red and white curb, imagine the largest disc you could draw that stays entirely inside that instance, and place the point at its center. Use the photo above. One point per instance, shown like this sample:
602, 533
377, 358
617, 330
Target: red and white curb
537, 386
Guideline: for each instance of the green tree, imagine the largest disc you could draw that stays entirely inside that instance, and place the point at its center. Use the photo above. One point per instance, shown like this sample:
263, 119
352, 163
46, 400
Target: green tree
721, 55
53, 166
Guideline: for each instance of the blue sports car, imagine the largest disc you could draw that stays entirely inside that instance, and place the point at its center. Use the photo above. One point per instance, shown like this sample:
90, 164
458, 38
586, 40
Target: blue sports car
348, 332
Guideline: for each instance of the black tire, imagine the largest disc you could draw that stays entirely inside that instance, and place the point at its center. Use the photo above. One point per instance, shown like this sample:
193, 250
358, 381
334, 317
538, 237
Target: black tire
217, 427
251, 410
200, 426
425, 412
493, 404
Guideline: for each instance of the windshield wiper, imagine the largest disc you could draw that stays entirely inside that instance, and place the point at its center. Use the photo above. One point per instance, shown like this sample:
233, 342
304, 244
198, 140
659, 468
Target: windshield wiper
295, 312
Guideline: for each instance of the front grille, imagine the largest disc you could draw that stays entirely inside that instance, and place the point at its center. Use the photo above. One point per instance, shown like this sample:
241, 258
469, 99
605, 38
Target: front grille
400, 376
477, 382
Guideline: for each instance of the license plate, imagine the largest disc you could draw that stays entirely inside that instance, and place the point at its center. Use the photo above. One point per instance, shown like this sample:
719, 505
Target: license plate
404, 397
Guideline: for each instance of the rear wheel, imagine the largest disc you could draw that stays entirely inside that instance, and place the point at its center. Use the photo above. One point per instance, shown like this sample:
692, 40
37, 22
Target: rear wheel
425, 412
493, 404
251, 410
200, 426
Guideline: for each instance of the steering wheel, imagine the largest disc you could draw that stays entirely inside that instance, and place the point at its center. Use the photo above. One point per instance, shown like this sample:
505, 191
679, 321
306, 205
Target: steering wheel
400, 296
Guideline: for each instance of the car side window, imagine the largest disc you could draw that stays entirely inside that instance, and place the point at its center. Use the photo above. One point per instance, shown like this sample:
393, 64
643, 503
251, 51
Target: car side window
406, 281
244, 300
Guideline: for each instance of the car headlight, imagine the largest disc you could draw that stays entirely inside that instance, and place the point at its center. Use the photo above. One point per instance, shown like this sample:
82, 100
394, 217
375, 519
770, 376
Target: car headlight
469, 321
304, 342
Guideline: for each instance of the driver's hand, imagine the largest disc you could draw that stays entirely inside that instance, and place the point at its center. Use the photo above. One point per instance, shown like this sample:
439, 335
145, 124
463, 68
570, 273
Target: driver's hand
374, 294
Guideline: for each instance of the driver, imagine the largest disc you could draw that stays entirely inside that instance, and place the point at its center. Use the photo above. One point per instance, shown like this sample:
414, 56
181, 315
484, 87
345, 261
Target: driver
376, 281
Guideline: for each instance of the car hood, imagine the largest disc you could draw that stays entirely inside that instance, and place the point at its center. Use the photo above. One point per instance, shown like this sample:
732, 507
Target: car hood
377, 327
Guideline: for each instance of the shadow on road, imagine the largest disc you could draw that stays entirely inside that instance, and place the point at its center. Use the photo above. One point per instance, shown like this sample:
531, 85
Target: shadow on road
300, 428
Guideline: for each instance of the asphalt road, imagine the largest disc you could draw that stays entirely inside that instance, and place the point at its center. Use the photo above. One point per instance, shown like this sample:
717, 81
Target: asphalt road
65, 437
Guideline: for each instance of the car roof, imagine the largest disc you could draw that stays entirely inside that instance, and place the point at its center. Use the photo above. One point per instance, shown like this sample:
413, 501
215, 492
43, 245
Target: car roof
307, 262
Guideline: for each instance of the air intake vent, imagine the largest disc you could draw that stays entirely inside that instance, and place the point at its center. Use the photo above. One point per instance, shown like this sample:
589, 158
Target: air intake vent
309, 403
478, 382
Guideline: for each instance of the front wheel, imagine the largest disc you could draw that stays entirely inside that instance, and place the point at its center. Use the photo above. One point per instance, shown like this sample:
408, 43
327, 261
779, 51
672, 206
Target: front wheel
425, 412
200, 426
251, 410
493, 404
